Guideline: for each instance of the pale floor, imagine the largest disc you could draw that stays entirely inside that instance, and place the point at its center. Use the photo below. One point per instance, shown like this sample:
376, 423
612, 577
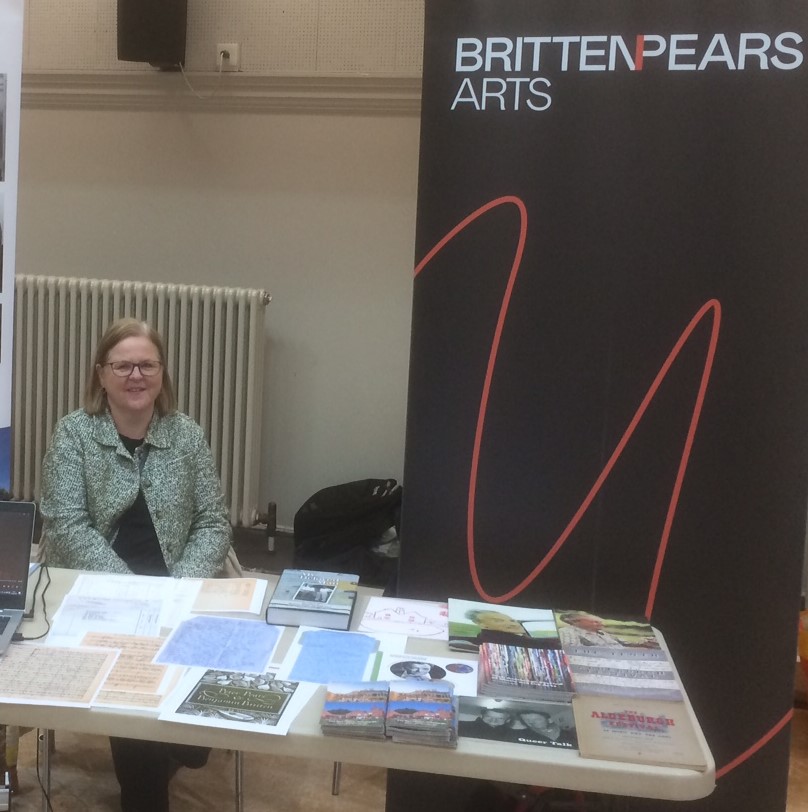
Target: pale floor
798, 769
83, 780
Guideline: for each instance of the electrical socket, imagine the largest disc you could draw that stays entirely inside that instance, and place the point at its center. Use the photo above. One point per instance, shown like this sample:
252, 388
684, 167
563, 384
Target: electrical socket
230, 59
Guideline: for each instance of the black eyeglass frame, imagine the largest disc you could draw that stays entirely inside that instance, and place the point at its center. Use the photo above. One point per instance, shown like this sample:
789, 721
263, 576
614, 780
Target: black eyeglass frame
119, 374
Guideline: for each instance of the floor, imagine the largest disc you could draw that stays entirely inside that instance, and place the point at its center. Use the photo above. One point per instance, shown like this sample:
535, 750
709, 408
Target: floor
253, 552
83, 779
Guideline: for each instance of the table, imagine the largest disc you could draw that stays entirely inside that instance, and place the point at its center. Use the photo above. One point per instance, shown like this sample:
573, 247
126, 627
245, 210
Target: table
498, 761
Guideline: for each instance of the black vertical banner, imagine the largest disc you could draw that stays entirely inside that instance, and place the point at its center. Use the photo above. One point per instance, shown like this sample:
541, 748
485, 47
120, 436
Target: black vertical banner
608, 402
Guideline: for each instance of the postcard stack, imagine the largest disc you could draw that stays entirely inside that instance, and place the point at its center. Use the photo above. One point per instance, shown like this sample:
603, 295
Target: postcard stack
355, 709
422, 713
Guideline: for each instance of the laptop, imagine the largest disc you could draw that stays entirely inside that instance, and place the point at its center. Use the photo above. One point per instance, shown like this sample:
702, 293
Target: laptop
17, 521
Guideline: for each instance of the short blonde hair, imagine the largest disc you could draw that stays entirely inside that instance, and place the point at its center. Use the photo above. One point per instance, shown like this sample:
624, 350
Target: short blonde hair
95, 398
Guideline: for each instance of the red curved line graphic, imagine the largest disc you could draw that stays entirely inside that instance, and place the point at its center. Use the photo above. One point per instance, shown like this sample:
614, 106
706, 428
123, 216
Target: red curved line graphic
470, 219
711, 307
763, 740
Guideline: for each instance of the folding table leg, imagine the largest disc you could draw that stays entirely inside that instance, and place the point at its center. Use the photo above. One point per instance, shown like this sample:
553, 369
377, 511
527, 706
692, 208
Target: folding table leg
239, 766
43, 737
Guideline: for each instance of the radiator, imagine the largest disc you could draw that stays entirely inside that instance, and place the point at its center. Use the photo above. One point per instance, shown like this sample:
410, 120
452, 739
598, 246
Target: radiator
214, 341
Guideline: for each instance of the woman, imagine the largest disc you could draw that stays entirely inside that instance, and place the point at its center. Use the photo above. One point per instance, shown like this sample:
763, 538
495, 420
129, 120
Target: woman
129, 485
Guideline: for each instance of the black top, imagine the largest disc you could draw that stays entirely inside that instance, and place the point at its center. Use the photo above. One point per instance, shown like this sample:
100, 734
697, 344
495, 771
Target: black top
136, 542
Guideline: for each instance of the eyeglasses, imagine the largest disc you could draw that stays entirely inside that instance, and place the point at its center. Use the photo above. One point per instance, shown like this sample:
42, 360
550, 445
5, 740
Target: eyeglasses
123, 369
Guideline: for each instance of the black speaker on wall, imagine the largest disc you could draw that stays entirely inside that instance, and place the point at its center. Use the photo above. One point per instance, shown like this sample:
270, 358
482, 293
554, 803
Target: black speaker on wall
152, 31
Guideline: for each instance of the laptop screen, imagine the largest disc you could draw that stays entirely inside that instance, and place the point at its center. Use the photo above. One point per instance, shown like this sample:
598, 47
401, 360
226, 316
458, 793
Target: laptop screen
16, 535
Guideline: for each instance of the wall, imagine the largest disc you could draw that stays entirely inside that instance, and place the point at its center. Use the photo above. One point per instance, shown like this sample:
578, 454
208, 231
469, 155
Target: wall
309, 194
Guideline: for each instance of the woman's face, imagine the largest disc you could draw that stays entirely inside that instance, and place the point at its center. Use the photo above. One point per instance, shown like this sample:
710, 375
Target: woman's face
499, 622
136, 393
535, 721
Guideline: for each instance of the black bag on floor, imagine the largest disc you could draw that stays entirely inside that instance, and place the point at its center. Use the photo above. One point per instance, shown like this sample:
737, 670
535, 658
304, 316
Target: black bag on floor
337, 529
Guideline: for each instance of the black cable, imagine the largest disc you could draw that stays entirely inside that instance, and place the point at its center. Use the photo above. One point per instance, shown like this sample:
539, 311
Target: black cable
44, 606
43, 567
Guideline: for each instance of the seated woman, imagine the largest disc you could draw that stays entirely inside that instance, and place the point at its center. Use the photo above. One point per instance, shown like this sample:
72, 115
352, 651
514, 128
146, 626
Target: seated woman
130, 486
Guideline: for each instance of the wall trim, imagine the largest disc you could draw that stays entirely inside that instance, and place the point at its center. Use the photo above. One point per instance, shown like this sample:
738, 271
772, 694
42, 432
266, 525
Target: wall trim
231, 92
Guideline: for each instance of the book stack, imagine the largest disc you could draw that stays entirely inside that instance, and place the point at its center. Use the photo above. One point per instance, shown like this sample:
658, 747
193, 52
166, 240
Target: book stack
422, 713
524, 672
355, 709
629, 704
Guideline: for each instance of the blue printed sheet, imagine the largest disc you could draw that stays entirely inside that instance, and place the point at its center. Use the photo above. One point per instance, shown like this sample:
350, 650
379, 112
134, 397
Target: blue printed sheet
324, 655
220, 642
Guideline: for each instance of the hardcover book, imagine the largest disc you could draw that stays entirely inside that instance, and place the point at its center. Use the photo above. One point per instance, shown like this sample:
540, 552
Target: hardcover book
312, 598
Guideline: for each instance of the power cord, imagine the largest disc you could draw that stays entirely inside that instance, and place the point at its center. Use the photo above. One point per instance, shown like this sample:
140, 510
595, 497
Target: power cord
19, 637
222, 56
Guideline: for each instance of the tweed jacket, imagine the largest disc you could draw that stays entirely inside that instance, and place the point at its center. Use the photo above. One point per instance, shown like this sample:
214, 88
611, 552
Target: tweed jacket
90, 480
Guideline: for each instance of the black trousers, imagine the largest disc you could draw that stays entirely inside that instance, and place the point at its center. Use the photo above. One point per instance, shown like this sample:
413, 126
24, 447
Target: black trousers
144, 769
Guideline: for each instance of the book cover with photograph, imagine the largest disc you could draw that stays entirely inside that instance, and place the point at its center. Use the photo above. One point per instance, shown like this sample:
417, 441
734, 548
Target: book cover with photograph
583, 632
472, 622
313, 598
543, 724
237, 700
619, 656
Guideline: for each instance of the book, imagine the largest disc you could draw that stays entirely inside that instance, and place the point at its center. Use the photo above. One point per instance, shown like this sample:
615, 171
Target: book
312, 598
472, 622
618, 656
595, 635
644, 731
522, 672
542, 724
355, 709
258, 702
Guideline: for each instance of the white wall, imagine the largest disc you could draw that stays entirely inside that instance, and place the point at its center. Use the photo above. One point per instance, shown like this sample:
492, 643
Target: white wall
125, 175
319, 210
